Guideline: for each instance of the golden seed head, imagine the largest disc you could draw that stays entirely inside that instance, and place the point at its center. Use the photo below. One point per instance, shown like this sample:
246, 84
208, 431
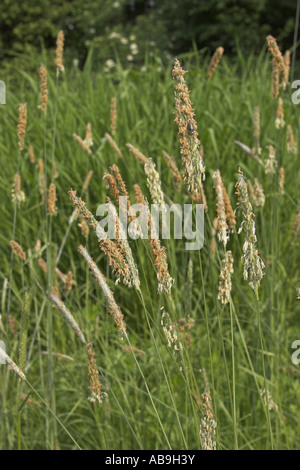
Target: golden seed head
52, 209
113, 116
43, 89
59, 52
22, 125
17, 250
214, 61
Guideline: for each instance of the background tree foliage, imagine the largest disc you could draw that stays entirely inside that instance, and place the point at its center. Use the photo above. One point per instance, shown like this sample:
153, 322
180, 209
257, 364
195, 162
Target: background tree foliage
157, 27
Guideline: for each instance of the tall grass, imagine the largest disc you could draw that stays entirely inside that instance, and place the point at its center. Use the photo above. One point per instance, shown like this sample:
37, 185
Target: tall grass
158, 396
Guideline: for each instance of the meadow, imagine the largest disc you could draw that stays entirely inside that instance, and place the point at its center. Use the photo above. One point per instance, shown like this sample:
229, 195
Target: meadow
207, 362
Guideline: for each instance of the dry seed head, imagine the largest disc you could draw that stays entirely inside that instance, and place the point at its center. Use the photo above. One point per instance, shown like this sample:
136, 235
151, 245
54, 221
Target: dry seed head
268, 400
253, 265
42, 186
170, 161
82, 143
225, 284
256, 132
69, 282
279, 121
59, 52
85, 231
275, 78
95, 385
222, 223
31, 154
259, 195
190, 145
5, 357
17, 250
86, 181
113, 308
208, 424
55, 172
110, 248
113, 145
52, 210
139, 155
153, 183
271, 162
17, 195
22, 125
68, 316
43, 89
291, 146
214, 61
113, 115
281, 181
287, 64
276, 53
170, 332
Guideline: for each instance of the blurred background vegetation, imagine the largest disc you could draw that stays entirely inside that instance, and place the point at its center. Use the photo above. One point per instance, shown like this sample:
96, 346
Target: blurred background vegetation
127, 31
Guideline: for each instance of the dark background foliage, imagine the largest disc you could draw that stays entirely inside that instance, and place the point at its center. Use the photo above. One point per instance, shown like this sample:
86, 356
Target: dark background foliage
159, 27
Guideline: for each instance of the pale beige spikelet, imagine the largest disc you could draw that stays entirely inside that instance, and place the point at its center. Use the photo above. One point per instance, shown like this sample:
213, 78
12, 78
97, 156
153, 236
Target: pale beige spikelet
42, 185
69, 283
95, 385
87, 181
18, 196
222, 220
43, 265
22, 122
31, 154
54, 170
256, 132
52, 209
214, 61
85, 231
208, 424
170, 161
113, 144
279, 121
59, 52
113, 308
287, 66
68, 316
275, 78
291, 145
12, 365
17, 250
259, 195
271, 162
43, 89
190, 145
12, 325
82, 144
253, 266
170, 332
268, 400
137, 153
281, 181
154, 183
225, 284
89, 135
113, 115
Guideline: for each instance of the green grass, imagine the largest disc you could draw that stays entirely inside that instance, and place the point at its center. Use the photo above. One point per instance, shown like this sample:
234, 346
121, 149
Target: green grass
243, 347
